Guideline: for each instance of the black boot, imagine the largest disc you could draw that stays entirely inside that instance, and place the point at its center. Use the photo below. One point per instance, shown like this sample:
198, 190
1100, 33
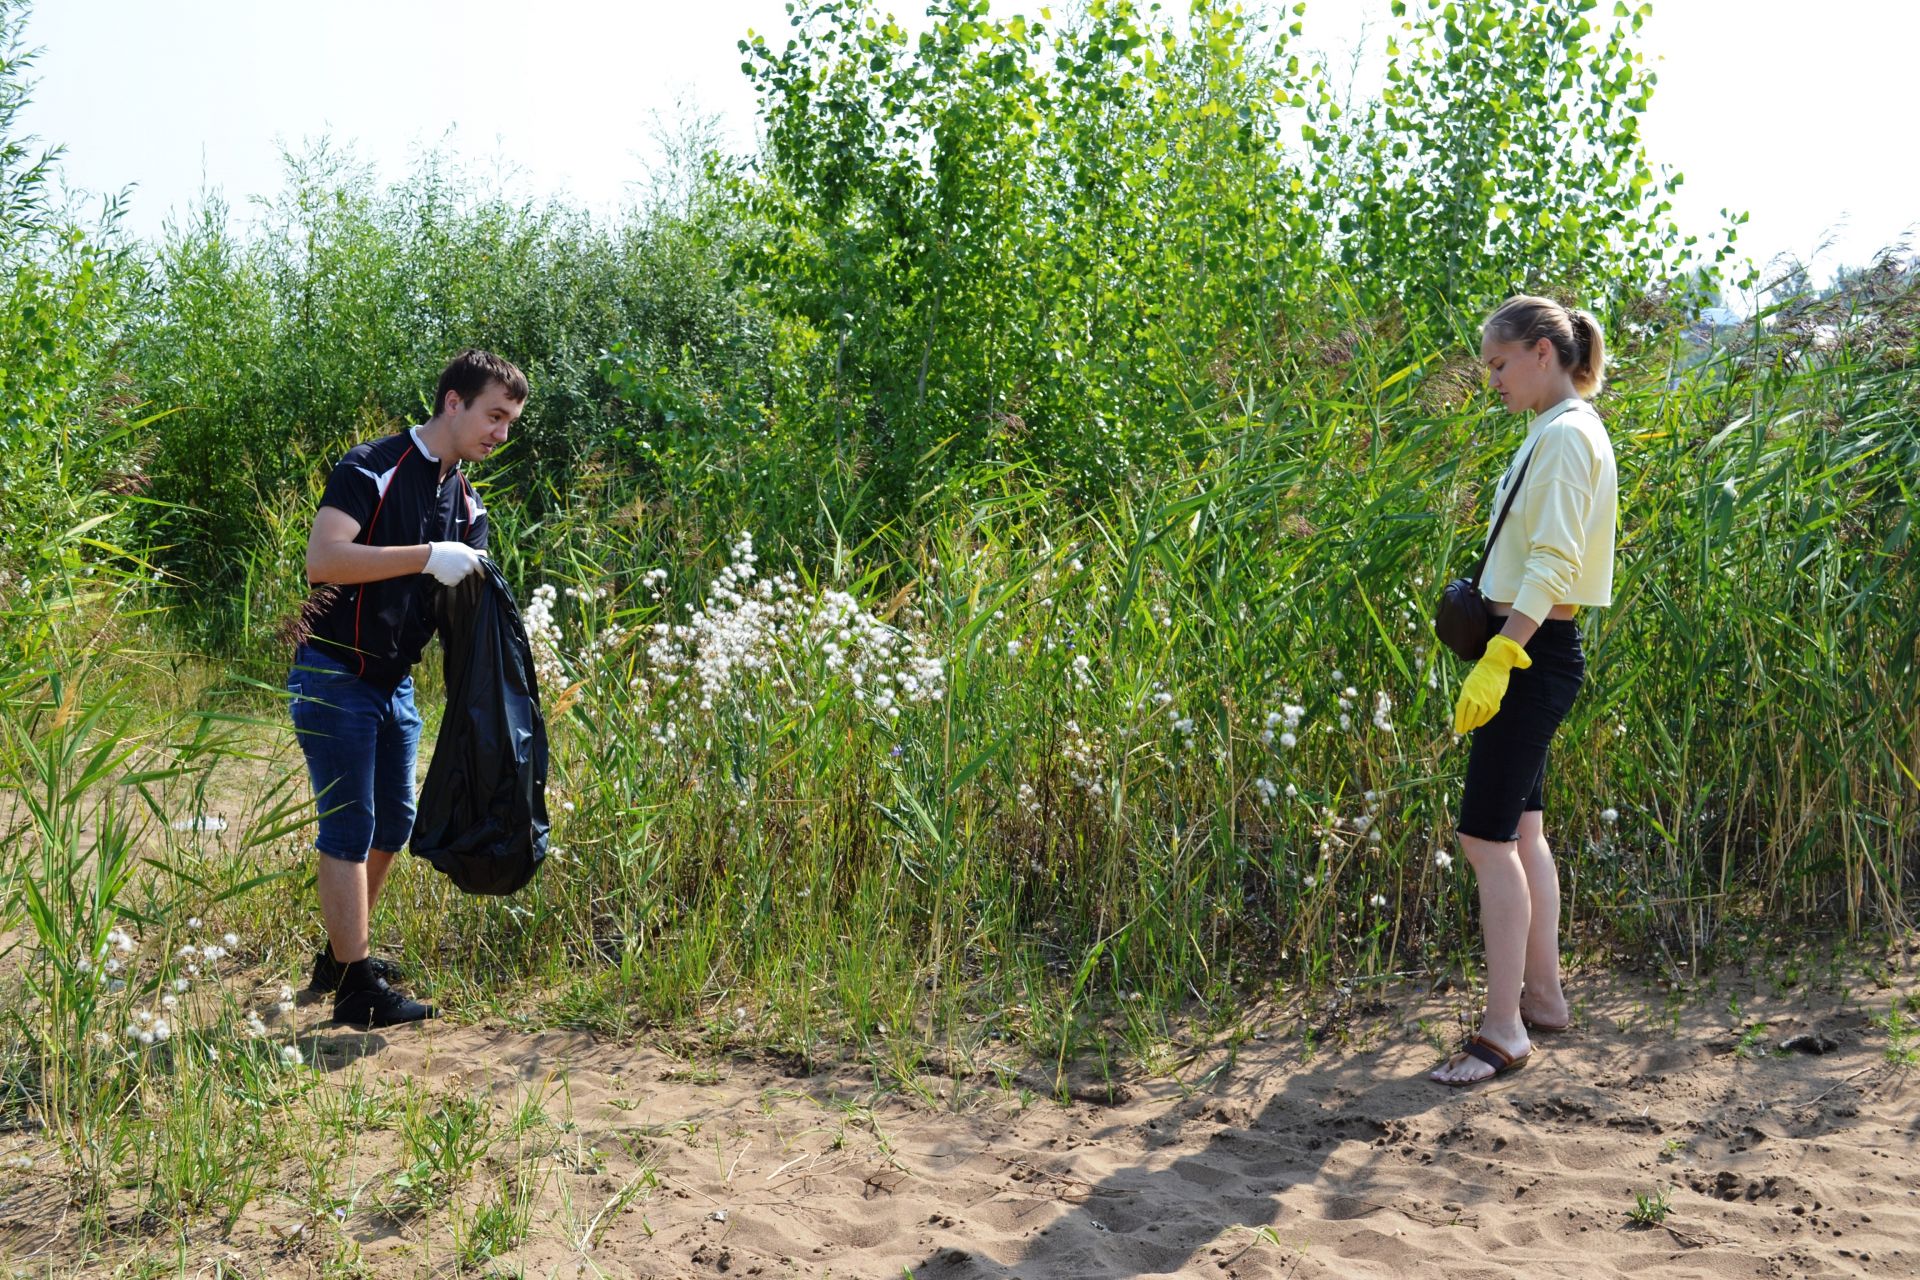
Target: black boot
327, 970
365, 1000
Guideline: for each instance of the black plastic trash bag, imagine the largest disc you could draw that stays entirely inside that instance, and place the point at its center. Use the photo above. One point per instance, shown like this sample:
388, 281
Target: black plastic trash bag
482, 815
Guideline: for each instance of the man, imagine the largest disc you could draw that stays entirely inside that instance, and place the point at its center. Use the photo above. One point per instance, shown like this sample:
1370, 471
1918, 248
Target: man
394, 512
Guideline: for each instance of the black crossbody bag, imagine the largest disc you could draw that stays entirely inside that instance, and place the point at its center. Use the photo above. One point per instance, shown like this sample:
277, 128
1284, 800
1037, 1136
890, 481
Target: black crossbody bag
1463, 622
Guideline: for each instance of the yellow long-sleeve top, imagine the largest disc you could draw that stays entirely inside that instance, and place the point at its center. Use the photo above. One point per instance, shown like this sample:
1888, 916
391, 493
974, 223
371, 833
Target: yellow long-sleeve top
1557, 545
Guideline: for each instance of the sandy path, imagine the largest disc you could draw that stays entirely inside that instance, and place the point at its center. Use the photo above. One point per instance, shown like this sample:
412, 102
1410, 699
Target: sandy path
1780, 1165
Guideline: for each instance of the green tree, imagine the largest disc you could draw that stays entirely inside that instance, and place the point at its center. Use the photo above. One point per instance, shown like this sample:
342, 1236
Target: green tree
63, 287
1504, 153
1024, 239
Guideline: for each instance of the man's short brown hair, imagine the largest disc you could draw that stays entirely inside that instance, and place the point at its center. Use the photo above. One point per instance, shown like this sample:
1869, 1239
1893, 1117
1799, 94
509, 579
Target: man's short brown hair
469, 373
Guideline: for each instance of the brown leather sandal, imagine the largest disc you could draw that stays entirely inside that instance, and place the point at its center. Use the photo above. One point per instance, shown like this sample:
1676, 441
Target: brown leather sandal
1490, 1053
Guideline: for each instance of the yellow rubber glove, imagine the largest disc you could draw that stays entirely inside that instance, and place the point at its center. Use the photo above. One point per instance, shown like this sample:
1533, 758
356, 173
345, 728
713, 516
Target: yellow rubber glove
1486, 684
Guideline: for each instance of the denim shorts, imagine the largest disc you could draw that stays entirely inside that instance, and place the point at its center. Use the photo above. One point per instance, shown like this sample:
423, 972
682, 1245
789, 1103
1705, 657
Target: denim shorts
361, 743
1507, 766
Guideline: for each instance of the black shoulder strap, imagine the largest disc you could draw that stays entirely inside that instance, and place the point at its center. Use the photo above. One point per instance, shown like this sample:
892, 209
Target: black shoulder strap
1505, 507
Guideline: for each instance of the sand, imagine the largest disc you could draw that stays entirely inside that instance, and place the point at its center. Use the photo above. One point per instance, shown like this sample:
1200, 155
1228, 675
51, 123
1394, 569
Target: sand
1260, 1162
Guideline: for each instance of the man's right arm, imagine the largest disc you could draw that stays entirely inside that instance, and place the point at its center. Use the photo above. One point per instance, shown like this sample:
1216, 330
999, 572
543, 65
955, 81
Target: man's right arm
334, 556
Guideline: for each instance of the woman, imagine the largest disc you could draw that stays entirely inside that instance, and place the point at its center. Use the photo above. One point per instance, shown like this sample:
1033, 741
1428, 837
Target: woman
1554, 553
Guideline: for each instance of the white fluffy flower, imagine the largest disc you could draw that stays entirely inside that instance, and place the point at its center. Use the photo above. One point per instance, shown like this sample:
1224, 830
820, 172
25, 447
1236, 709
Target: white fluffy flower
1383, 713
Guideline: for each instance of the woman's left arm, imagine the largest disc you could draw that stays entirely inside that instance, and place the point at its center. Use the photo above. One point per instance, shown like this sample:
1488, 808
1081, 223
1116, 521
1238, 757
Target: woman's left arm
1556, 521
1556, 528
1519, 627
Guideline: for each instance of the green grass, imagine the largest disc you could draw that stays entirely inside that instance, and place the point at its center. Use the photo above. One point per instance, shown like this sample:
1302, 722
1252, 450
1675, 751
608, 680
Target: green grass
1752, 1042
1650, 1208
1903, 1037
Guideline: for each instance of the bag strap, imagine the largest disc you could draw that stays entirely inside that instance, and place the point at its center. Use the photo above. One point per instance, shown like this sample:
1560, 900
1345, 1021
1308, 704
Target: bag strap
1481, 566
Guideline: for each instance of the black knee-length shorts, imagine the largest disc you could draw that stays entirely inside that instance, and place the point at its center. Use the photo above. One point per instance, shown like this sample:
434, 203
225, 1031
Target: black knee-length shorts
1507, 765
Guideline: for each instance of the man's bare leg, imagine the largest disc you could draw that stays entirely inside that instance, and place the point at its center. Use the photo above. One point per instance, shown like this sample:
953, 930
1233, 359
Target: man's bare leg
379, 862
348, 892
342, 887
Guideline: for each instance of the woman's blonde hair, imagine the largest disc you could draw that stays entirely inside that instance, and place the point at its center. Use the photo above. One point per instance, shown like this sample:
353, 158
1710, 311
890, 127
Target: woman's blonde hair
1575, 335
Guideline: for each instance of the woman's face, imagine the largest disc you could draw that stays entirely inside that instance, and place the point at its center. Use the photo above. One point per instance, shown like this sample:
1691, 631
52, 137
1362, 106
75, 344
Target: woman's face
1527, 379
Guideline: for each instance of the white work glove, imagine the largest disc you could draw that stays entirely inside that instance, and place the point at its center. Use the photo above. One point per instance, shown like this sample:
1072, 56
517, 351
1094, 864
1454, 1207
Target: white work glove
451, 561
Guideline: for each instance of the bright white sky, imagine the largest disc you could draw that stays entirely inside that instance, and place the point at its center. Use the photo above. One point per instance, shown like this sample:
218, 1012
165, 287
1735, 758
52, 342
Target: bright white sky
1784, 109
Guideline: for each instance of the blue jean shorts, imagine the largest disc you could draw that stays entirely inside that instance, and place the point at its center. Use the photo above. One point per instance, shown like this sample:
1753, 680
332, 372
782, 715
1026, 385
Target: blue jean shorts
361, 743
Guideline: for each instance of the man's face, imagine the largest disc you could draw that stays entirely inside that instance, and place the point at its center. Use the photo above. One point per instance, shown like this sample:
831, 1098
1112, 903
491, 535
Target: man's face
481, 427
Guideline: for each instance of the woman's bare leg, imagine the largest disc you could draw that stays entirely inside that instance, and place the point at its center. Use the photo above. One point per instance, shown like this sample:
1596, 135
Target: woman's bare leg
1506, 916
1542, 1000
